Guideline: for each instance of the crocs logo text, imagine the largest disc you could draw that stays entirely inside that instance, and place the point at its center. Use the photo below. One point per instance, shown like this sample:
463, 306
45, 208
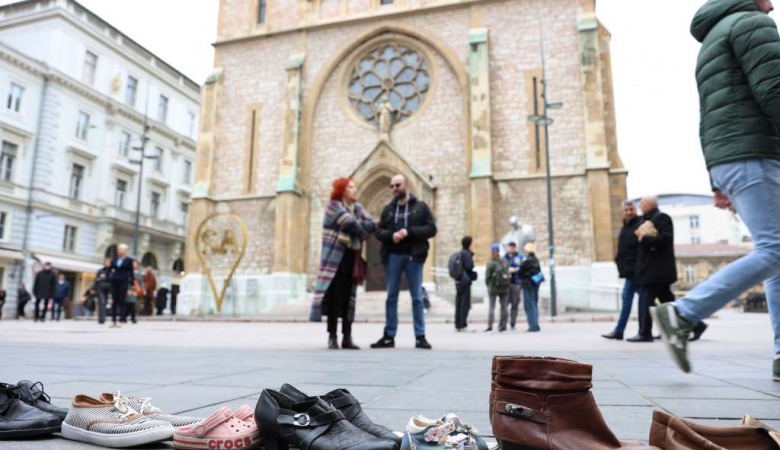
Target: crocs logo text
219, 444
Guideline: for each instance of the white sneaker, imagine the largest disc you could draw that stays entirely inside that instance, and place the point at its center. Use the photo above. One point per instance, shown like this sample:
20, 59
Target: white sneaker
145, 408
112, 424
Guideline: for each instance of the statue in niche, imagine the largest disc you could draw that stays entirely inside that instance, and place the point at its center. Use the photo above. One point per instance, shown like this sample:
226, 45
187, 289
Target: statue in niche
519, 233
386, 120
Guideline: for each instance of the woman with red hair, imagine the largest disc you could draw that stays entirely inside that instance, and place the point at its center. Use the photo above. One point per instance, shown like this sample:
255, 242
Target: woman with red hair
345, 227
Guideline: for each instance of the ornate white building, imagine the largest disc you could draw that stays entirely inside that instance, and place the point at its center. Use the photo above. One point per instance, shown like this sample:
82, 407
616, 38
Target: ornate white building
75, 92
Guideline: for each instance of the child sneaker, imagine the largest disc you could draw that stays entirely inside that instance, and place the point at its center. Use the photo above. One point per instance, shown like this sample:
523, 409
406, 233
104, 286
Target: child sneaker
112, 424
448, 433
220, 431
144, 407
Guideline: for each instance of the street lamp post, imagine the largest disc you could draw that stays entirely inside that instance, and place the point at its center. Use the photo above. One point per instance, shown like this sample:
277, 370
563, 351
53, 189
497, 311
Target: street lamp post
140, 163
544, 120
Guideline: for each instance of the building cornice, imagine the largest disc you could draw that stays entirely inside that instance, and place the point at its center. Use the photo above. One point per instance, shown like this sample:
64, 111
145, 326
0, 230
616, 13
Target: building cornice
372, 16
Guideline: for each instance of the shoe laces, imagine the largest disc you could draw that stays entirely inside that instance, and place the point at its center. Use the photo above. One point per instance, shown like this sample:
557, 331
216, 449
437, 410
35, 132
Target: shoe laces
122, 407
36, 390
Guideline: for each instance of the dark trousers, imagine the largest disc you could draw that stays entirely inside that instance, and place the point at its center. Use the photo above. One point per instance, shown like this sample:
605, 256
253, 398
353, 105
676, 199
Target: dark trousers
119, 294
56, 311
514, 300
20, 309
148, 302
131, 308
40, 313
103, 293
647, 297
629, 291
462, 305
337, 299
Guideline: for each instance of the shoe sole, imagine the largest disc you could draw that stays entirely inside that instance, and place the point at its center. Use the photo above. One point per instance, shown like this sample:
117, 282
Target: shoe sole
188, 443
152, 436
28, 433
667, 343
776, 378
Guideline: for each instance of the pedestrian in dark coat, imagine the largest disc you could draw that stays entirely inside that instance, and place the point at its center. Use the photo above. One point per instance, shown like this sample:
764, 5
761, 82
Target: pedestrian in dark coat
61, 295
22, 298
103, 289
463, 286
162, 300
628, 246
528, 270
122, 279
43, 290
656, 268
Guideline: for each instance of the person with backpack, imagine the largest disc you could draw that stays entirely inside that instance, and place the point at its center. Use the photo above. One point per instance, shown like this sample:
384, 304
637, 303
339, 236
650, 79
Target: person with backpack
461, 267
531, 278
498, 281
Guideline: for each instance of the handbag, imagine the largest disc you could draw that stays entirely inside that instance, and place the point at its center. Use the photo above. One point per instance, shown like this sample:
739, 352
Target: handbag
359, 269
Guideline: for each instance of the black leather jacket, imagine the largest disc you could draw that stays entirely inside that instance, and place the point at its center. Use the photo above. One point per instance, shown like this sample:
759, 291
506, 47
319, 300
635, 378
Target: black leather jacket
421, 227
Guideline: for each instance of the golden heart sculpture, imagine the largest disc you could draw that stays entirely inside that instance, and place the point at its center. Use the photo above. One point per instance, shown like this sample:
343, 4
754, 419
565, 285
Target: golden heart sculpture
220, 243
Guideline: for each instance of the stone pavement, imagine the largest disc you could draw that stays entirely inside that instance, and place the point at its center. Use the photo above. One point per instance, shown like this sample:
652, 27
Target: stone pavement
193, 368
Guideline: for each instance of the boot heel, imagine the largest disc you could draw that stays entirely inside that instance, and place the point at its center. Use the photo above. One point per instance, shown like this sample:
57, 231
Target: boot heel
273, 441
506, 445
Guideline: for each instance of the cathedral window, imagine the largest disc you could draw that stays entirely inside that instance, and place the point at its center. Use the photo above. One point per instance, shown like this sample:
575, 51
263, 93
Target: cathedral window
389, 72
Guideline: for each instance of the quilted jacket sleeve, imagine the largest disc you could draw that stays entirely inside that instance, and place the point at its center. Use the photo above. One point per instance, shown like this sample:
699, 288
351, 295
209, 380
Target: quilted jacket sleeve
756, 44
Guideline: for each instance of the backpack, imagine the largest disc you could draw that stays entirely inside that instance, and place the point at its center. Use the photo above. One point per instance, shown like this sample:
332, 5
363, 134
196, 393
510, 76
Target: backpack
455, 265
500, 278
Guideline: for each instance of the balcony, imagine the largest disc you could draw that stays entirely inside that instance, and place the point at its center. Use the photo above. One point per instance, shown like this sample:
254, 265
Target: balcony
127, 218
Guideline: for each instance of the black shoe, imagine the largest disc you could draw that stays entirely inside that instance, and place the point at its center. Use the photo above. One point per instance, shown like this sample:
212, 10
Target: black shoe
488, 329
345, 402
502, 329
20, 420
385, 342
32, 394
613, 335
698, 330
313, 424
639, 338
422, 343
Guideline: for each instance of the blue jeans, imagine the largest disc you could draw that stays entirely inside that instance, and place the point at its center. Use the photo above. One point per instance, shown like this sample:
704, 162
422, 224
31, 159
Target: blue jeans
629, 291
754, 189
397, 265
531, 306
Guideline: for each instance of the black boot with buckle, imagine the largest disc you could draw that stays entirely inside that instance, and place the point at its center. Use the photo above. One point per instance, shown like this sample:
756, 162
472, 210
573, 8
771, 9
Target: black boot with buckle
345, 402
312, 424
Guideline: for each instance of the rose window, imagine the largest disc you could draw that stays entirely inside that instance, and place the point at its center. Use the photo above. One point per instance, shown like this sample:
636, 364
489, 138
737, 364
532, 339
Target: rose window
389, 72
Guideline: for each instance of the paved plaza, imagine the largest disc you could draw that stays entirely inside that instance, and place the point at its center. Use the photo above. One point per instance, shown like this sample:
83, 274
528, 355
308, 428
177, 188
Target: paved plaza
192, 368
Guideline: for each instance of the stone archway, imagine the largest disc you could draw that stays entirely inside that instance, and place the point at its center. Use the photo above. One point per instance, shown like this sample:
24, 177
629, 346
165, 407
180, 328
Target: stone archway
372, 177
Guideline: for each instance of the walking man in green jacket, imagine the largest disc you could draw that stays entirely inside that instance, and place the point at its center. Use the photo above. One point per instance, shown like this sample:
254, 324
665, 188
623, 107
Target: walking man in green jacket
738, 74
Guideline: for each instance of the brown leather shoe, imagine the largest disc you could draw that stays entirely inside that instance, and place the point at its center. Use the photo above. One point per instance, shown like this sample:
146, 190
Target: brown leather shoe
544, 403
347, 344
333, 342
672, 433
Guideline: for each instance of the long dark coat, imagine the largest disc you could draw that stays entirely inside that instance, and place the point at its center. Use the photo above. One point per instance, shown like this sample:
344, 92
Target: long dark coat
655, 258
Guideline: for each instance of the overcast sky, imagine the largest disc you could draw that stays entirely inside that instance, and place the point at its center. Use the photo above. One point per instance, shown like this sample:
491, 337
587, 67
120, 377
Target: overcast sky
653, 62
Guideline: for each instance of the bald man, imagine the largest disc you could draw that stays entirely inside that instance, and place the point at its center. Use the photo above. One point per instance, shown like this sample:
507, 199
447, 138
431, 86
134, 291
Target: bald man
404, 229
656, 269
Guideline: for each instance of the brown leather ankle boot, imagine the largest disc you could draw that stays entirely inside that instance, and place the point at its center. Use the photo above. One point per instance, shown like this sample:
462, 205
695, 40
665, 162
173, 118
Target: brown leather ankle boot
672, 433
333, 341
546, 403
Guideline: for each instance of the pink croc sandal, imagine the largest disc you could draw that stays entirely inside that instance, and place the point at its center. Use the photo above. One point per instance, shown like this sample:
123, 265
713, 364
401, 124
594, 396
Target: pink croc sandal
220, 431
245, 413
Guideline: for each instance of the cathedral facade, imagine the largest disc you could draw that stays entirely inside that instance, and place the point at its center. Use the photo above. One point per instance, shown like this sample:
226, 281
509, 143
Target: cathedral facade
305, 91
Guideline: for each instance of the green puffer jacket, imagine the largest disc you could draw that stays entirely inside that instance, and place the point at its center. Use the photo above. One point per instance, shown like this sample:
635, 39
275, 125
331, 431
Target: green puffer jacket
738, 73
